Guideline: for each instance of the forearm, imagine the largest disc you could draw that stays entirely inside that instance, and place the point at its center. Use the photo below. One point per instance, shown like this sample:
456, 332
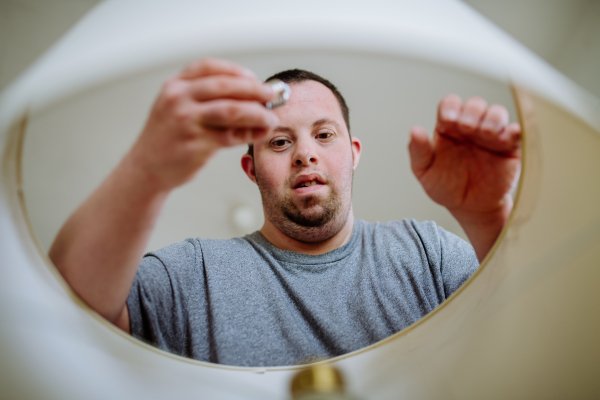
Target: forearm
483, 228
100, 246
211, 104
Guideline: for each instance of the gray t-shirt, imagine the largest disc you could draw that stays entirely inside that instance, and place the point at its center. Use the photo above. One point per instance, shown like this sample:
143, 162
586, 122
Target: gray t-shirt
245, 302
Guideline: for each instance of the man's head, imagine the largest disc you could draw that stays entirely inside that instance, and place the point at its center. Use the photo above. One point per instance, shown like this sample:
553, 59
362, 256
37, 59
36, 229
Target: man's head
292, 76
304, 167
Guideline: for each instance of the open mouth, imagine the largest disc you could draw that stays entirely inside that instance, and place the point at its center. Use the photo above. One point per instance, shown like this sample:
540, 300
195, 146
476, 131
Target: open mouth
307, 183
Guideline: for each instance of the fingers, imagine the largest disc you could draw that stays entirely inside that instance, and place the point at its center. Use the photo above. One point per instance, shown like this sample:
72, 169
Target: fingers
215, 66
449, 111
237, 136
457, 121
235, 122
209, 105
219, 101
493, 133
472, 114
220, 87
496, 134
512, 137
488, 127
495, 121
226, 97
420, 150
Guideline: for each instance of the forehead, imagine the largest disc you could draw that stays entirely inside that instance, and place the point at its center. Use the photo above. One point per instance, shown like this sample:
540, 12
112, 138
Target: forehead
308, 102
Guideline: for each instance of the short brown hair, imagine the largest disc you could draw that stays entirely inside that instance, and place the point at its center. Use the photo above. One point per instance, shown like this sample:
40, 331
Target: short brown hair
298, 76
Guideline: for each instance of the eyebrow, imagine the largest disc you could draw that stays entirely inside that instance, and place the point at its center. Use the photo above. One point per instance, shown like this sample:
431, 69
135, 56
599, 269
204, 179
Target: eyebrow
286, 129
324, 121
315, 124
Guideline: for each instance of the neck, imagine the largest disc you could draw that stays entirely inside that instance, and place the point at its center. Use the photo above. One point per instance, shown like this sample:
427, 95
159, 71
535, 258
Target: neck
285, 242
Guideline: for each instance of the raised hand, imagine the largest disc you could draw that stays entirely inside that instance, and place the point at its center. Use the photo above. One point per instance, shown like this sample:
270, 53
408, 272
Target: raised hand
471, 164
209, 105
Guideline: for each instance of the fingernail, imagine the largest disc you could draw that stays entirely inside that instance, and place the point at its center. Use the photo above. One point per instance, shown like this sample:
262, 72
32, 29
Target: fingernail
489, 126
467, 120
249, 73
268, 90
450, 114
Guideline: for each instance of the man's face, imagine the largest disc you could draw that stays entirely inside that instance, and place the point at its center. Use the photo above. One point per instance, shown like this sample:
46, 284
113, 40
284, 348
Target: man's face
304, 167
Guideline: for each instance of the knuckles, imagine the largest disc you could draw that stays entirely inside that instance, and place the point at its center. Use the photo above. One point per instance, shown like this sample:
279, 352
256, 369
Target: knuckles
173, 92
181, 116
497, 112
174, 104
228, 112
206, 64
219, 85
202, 66
487, 126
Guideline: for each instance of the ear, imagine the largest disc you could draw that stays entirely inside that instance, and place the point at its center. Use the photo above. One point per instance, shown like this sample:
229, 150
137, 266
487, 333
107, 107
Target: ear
248, 166
356, 149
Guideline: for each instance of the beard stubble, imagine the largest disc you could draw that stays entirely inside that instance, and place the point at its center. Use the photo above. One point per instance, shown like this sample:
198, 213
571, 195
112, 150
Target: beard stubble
315, 219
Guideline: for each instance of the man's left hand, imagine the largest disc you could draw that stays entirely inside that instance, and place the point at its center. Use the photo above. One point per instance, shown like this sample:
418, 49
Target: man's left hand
471, 165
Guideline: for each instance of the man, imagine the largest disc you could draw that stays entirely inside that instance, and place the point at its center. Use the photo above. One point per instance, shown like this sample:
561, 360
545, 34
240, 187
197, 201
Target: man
314, 282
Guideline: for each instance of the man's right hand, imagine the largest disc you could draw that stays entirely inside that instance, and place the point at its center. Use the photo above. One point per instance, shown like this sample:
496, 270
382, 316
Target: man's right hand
209, 105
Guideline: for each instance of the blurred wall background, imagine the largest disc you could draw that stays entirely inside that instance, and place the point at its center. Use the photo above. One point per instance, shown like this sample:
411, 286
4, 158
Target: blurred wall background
566, 33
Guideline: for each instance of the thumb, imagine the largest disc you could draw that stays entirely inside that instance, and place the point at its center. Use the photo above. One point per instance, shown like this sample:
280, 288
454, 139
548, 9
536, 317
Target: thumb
420, 150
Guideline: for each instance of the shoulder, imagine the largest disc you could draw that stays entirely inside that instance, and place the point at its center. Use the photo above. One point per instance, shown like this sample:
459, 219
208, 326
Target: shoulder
193, 249
424, 246
225, 249
186, 261
408, 231
399, 242
177, 252
178, 261
425, 236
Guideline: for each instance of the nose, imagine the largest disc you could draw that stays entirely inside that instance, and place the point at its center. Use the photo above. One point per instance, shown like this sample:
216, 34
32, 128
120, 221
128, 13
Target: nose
305, 154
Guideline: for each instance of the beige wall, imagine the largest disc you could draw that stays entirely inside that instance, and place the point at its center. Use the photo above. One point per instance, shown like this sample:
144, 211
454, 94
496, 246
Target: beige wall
565, 33
30, 27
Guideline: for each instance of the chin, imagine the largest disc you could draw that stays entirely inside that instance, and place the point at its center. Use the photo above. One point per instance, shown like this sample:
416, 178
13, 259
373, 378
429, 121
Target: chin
314, 219
312, 228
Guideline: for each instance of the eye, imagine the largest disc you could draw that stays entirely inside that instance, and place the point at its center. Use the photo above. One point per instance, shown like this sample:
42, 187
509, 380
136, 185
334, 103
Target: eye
324, 135
280, 143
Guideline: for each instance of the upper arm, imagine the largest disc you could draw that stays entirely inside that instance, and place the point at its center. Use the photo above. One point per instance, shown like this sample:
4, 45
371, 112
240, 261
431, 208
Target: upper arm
158, 304
458, 260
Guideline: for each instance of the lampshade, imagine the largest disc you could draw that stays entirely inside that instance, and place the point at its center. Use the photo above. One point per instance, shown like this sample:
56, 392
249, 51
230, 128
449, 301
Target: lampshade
525, 325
